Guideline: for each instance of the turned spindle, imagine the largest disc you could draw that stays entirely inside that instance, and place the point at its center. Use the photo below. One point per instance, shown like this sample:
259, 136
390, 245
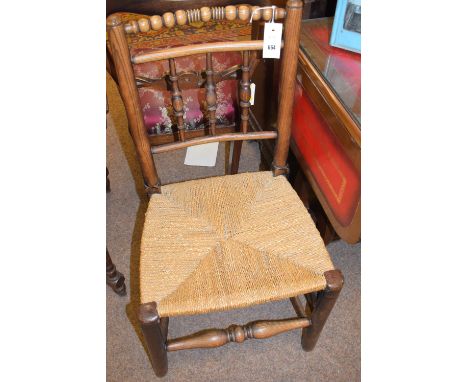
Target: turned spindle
176, 97
210, 88
244, 92
244, 103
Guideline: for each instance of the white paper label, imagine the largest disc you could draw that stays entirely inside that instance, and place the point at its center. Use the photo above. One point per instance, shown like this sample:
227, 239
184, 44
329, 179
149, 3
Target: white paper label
272, 40
252, 93
202, 155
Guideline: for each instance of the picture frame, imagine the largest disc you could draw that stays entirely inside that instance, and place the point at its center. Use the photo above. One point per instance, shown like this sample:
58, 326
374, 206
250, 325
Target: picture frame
346, 32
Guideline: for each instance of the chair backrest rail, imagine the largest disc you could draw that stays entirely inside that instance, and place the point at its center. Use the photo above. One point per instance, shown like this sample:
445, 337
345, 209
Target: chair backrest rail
181, 17
189, 50
214, 138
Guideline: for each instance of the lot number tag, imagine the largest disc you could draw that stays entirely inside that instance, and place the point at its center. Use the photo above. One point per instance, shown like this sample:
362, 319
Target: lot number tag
272, 40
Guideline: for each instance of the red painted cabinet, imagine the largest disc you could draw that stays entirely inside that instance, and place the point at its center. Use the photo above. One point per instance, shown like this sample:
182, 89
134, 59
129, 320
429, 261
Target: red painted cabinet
326, 133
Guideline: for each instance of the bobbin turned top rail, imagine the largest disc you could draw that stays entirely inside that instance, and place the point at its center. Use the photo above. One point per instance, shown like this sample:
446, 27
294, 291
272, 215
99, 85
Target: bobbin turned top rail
242, 12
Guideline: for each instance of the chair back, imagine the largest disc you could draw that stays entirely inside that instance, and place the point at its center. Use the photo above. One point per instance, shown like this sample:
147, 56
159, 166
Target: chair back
123, 62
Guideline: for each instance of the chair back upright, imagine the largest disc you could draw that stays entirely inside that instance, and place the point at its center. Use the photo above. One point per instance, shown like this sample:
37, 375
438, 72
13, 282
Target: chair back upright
123, 62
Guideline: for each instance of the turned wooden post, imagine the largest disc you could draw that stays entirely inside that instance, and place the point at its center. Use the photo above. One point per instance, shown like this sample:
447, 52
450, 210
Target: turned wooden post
150, 323
244, 92
114, 278
287, 84
129, 93
321, 306
244, 103
210, 89
176, 97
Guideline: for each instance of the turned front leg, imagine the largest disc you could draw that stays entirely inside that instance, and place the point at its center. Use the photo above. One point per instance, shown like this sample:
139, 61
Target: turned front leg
321, 306
155, 340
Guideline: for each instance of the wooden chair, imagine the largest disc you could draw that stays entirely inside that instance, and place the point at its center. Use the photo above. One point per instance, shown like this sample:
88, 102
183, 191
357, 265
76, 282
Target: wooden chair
225, 242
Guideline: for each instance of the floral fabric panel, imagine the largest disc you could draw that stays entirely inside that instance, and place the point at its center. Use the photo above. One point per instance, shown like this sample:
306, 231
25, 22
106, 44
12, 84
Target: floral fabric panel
159, 116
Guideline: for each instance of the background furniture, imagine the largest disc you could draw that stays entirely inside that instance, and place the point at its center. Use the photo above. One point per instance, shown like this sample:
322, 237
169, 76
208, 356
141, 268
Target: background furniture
328, 110
114, 278
346, 31
326, 134
318, 8
192, 297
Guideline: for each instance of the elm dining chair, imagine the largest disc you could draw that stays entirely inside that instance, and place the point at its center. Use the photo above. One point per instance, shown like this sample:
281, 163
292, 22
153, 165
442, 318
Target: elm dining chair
230, 241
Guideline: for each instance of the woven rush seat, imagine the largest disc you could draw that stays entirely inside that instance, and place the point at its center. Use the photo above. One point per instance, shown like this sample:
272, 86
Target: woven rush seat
228, 242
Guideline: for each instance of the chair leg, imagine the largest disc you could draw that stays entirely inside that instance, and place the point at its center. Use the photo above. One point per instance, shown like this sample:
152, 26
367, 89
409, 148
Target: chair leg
114, 278
155, 340
321, 307
236, 153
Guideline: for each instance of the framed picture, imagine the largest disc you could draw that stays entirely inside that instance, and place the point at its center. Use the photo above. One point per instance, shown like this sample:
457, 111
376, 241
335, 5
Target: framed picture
346, 32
